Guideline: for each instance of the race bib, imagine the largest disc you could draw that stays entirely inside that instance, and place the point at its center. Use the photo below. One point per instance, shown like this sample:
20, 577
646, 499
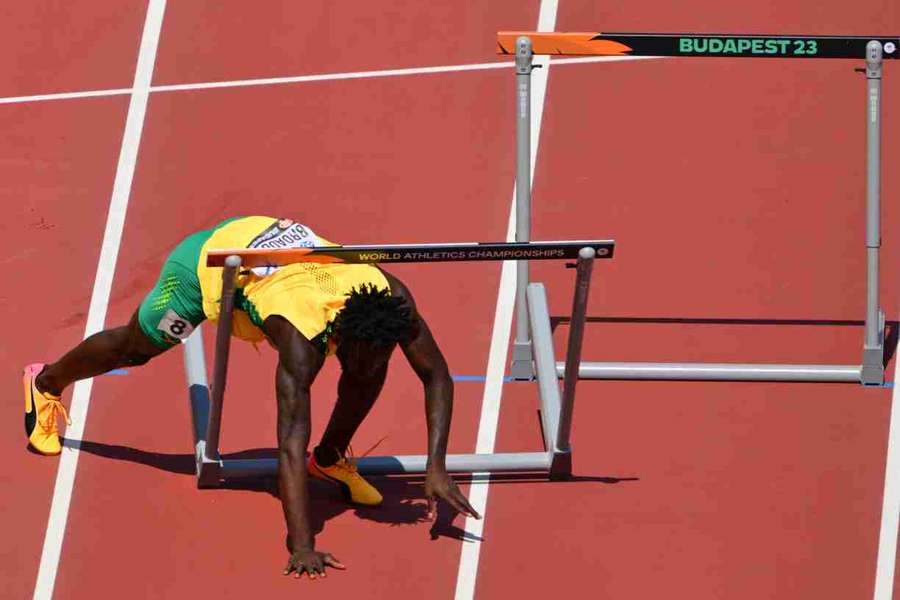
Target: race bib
284, 233
174, 325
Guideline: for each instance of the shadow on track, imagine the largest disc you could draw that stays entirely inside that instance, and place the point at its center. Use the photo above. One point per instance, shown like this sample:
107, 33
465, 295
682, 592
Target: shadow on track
891, 328
404, 496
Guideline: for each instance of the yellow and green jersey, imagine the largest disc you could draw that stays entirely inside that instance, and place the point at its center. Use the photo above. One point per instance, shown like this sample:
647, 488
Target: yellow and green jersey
308, 295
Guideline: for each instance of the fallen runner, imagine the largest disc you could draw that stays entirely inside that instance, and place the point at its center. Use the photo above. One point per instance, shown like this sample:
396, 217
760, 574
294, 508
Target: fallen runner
307, 312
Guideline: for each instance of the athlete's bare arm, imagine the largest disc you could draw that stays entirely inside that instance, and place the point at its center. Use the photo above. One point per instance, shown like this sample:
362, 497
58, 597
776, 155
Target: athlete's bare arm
298, 364
428, 362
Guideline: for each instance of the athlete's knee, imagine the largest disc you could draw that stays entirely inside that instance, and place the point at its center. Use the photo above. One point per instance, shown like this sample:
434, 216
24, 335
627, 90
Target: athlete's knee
137, 348
135, 359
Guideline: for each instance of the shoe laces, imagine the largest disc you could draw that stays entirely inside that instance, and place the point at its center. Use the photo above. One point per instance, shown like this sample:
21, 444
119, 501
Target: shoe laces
351, 461
55, 407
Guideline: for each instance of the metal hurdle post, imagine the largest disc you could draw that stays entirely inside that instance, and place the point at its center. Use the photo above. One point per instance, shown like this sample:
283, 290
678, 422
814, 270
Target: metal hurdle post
209, 466
871, 371
562, 457
544, 362
522, 366
198, 394
556, 413
873, 347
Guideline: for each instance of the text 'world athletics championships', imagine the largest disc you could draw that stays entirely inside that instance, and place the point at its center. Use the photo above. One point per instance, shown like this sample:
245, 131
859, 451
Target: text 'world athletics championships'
464, 255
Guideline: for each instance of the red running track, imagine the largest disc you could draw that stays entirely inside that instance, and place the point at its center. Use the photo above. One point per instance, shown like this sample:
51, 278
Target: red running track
691, 490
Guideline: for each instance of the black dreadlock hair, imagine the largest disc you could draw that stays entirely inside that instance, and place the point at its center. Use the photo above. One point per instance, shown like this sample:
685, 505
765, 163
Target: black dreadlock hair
371, 314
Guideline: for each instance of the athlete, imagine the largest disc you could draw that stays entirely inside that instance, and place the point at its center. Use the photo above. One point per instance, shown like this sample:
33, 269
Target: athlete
307, 312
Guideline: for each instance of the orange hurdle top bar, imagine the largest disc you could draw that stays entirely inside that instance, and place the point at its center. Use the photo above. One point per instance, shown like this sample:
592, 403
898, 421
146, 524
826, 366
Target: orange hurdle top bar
694, 44
410, 253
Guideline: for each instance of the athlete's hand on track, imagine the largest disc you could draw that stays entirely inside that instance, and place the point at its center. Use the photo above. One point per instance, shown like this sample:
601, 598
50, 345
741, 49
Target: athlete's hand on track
312, 563
439, 485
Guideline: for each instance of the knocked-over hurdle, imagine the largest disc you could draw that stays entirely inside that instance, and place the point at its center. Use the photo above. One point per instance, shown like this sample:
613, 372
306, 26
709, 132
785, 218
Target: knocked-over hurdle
874, 50
555, 410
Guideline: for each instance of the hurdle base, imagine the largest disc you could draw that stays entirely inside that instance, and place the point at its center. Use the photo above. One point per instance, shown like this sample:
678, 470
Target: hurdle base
873, 366
522, 368
873, 357
209, 471
561, 465
716, 372
213, 473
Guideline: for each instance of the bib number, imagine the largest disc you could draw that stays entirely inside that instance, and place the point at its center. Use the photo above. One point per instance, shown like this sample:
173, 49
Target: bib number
175, 325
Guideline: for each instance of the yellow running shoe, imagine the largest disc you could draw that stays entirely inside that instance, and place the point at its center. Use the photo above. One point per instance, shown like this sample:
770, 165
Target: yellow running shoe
40, 414
344, 473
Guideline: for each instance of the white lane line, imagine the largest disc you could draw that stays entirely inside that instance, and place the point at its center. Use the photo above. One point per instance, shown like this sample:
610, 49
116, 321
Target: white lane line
112, 236
310, 78
65, 96
490, 405
890, 507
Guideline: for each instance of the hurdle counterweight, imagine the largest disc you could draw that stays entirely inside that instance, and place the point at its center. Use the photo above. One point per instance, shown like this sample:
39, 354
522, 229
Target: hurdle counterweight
223, 348
521, 366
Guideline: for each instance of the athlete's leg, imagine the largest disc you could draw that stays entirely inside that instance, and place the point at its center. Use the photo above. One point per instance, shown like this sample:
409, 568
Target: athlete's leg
167, 315
355, 400
125, 346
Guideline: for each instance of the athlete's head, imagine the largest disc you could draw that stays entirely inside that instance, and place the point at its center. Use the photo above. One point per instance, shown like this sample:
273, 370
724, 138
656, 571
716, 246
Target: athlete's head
368, 329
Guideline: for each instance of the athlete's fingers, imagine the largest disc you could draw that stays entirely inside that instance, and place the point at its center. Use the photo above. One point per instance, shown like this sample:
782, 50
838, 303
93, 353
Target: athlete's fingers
289, 567
331, 561
449, 499
464, 502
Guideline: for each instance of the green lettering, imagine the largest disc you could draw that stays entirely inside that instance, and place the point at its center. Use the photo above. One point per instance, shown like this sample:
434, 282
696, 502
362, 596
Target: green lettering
812, 47
685, 45
730, 47
715, 46
784, 45
757, 47
771, 47
743, 46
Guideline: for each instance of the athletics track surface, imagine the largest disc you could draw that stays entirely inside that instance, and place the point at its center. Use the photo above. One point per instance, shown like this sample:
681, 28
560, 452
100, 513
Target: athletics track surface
734, 190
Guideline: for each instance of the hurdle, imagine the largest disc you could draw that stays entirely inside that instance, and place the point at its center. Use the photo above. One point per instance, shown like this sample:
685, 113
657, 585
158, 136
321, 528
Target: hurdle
555, 410
873, 50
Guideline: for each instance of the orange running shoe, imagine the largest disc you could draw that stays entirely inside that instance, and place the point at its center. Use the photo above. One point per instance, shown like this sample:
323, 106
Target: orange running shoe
41, 411
344, 474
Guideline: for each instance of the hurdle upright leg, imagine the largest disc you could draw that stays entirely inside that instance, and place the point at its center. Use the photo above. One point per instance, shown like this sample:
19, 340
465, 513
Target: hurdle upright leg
873, 348
210, 468
545, 367
522, 366
198, 392
562, 457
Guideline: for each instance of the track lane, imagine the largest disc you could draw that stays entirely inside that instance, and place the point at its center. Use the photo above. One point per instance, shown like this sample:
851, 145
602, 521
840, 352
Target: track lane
50, 47
57, 164
373, 171
228, 40
710, 489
